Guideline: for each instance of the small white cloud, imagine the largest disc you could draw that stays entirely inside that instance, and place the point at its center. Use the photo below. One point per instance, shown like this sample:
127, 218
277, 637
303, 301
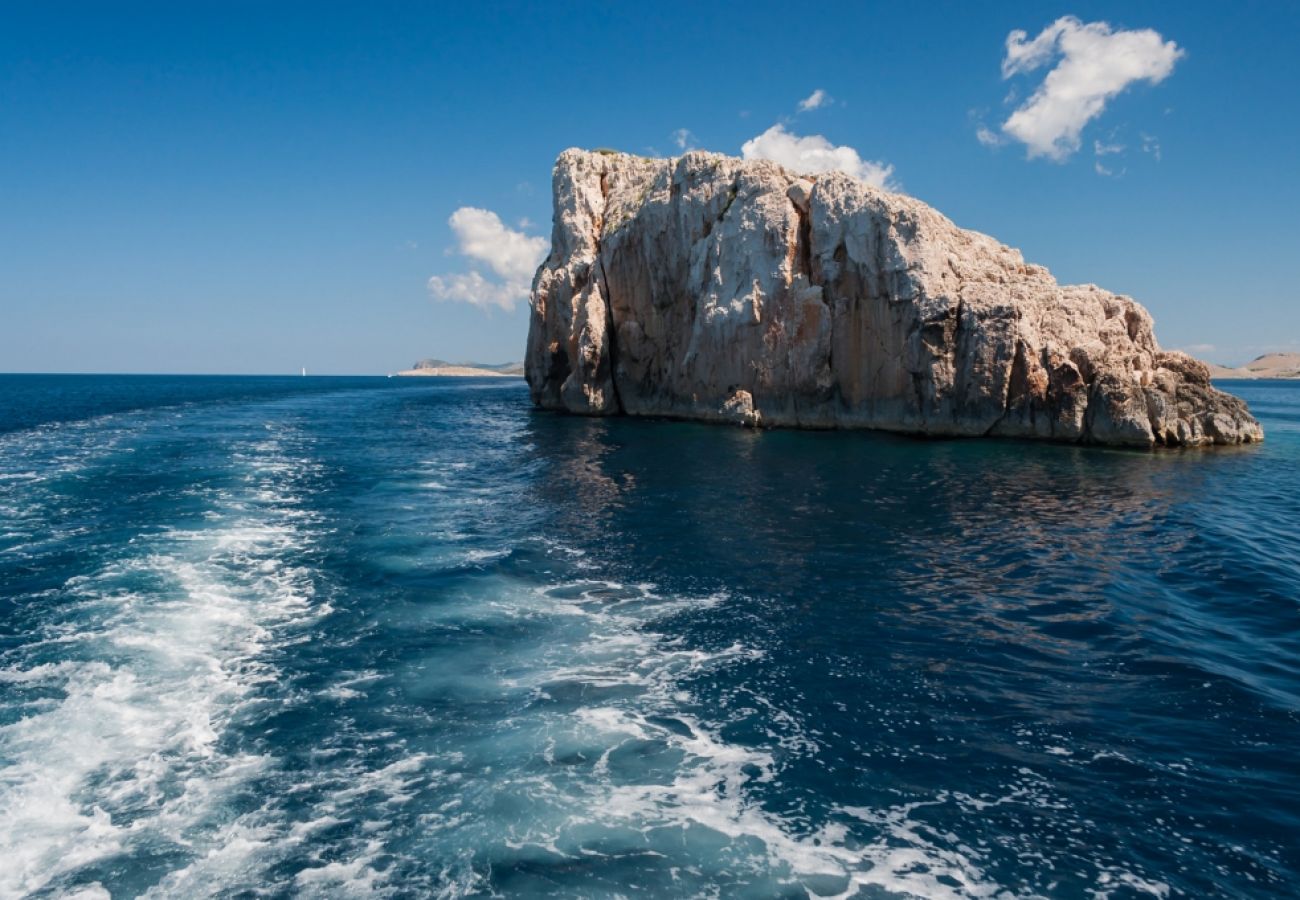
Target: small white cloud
683, 138
474, 289
1151, 145
511, 255
1095, 63
988, 137
814, 154
1103, 149
816, 100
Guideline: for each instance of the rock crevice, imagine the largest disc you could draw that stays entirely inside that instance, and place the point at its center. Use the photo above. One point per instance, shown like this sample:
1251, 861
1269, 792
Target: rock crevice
711, 288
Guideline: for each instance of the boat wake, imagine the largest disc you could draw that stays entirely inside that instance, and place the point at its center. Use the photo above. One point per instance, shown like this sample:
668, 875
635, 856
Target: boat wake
122, 742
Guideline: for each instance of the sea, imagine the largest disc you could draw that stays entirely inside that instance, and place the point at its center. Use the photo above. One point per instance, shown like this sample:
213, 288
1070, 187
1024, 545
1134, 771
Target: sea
370, 637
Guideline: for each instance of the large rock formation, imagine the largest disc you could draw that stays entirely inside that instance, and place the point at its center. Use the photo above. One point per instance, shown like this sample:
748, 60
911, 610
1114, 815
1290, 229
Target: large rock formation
707, 287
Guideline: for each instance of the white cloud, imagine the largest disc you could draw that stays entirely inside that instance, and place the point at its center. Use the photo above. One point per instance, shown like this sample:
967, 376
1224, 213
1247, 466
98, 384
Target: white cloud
483, 238
816, 100
1094, 63
683, 138
814, 154
1151, 145
987, 137
476, 290
512, 257
1101, 150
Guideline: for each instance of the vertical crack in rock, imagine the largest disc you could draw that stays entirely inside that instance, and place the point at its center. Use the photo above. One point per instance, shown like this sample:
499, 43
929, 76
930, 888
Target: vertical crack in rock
611, 332
957, 354
801, 263
607, 369
689, 287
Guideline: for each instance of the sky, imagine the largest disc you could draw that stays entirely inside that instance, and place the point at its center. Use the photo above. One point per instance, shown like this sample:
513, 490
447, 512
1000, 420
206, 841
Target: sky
258, 187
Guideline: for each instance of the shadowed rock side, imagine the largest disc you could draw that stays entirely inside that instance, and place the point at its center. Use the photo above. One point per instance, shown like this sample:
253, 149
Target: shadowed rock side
707, 287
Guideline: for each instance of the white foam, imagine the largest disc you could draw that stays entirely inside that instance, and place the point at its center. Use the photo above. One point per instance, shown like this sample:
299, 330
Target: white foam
157, 676
394, 783
94, 891
349, 688
1109, 880
716, 784
355, 878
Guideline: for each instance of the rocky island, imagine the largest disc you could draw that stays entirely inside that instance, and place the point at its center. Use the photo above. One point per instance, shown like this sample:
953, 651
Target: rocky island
708, 287
1269, 366
438, 367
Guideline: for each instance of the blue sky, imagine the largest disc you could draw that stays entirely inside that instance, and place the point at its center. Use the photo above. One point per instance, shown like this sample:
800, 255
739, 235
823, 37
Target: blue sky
255, 187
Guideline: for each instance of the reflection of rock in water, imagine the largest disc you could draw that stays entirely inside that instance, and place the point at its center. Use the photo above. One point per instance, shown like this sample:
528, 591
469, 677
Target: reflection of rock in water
752, 508
712, 288
581, 491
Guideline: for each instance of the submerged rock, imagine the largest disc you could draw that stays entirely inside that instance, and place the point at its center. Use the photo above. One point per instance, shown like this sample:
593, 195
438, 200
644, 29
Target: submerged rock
707, 287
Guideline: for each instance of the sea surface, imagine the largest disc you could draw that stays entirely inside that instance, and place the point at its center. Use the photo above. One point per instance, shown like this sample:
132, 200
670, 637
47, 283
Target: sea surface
331, 637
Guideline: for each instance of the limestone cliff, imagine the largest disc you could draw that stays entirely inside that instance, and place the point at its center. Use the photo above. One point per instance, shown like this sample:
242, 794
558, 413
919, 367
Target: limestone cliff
708, 287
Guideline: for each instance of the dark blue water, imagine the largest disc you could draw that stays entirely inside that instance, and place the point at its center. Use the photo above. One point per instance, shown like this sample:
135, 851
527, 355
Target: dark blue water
372, 637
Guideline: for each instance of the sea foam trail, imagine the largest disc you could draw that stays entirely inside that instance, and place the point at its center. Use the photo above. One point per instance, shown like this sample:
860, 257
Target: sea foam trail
590, 752
713, 791
120, 745
614, 766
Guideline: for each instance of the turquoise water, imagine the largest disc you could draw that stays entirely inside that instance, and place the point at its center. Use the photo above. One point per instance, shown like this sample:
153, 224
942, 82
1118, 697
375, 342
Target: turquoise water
371, 637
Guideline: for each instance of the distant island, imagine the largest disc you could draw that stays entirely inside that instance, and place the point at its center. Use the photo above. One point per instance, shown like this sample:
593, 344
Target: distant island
1270, 365
427, 367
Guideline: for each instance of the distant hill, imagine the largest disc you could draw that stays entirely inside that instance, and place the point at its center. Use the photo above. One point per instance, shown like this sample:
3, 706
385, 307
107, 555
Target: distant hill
464, 369
1270, 365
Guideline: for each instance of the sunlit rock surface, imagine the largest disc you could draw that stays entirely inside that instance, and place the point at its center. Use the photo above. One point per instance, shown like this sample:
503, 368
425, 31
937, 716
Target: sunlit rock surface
707, 287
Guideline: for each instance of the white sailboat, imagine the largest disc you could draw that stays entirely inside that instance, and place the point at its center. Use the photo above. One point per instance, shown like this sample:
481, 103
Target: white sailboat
304, 371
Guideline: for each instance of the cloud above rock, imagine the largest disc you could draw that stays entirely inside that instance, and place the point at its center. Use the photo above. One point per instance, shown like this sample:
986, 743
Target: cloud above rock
511, 257
1092, 64
813, 154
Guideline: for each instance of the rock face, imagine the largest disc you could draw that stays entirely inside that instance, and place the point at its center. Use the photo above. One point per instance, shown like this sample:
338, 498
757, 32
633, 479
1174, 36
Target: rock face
706, 287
